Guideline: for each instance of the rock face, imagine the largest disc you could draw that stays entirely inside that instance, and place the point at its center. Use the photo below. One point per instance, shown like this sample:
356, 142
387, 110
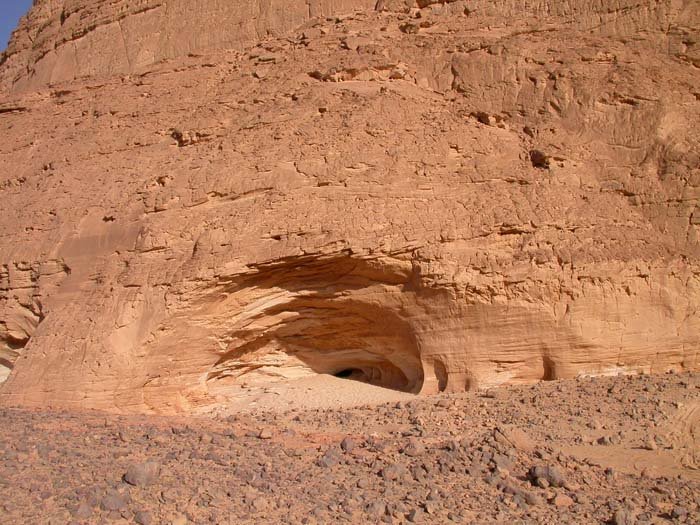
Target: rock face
431, 197
63, 40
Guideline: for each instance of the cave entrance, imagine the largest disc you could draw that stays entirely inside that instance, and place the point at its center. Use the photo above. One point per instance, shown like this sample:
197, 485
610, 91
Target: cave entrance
339, 317
383, 374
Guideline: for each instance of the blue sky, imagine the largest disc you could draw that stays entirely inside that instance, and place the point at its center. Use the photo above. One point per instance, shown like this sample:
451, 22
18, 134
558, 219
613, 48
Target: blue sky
10, 13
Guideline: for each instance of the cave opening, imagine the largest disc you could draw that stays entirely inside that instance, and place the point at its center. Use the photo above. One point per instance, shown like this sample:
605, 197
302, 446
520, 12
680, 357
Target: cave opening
440, 374
360, 374
549, 369
340, 318
349, 373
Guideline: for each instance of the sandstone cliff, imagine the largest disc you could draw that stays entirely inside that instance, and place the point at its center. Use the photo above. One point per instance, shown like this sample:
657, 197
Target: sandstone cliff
430, 197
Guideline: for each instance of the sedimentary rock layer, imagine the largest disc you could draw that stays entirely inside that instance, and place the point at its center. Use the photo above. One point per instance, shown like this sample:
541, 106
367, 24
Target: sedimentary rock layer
443, 197
68, 39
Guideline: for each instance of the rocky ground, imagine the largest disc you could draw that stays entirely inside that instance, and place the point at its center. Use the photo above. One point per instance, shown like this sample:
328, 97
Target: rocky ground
607, 450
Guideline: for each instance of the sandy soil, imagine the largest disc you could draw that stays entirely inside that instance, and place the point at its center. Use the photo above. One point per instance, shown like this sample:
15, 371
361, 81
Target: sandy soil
320, 391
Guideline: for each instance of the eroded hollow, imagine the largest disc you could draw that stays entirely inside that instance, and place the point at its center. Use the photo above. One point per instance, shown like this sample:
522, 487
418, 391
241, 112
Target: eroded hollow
10, 349
342, 317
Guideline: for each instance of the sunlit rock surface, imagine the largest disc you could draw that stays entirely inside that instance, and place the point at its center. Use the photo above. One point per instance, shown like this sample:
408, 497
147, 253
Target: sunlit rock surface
429, 197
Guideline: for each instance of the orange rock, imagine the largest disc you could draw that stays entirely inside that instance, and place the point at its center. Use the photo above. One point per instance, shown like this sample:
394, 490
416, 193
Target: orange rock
202, 202
562, 500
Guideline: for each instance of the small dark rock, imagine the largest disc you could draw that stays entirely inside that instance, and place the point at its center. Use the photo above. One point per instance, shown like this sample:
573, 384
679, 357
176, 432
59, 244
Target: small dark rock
539, 159
392, 472
508, 486
329, 459
376, 508
113, 501
142, 474
348, 445
623, 517
605, 440
414, 515
216, 457
409, 28
550, 473
413, 448
502, 462
82, 511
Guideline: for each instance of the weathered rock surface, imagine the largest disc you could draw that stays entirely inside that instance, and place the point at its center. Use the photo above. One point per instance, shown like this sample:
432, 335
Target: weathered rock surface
448, 197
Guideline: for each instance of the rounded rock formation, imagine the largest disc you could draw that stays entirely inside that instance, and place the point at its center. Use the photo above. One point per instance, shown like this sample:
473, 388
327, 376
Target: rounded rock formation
430, 196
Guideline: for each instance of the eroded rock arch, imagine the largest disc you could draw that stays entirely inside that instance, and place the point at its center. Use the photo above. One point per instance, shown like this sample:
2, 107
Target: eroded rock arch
339, 316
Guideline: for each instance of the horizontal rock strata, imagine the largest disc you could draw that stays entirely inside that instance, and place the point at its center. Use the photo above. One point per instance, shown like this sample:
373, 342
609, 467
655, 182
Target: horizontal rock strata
428, 197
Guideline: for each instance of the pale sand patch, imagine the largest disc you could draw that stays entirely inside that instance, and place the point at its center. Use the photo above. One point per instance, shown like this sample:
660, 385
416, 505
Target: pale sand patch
315, 392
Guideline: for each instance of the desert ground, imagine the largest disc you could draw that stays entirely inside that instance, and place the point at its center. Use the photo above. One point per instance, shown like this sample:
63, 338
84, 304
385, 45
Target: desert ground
618, 450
